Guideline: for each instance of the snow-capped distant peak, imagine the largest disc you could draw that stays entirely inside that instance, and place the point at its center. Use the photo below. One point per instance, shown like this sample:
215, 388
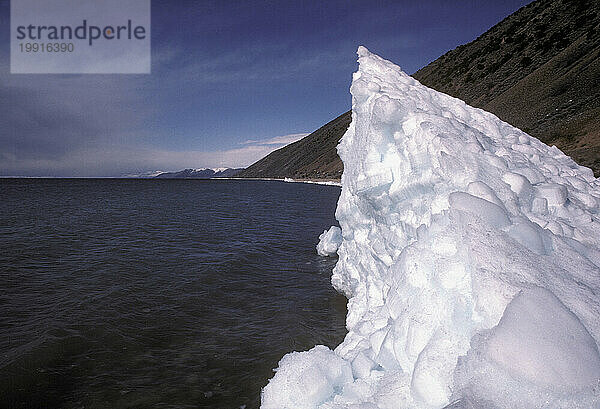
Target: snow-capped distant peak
216, 170
149, 174
200, 173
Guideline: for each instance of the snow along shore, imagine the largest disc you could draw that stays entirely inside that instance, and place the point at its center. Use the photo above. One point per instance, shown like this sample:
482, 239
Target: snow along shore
328, 182
470, 257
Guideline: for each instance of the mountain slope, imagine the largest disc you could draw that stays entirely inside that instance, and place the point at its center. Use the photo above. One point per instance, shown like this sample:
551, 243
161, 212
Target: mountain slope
312, 157
538, 69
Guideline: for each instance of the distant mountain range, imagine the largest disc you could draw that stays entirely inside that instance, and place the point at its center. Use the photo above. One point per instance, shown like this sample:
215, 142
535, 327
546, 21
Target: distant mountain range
538, 69
205, 173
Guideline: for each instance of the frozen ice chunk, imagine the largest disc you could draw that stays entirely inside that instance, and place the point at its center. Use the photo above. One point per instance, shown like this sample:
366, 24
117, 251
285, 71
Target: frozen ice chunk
533, 175
470, 257
306, 379
555, 227
484, 209
539, 205
540, 340
518, 184
555, 194
432, 377
362, 365
529, 235
483, 191
329, 241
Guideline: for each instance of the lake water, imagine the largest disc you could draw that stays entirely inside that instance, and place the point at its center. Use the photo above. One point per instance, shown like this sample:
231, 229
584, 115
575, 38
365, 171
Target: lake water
159, 293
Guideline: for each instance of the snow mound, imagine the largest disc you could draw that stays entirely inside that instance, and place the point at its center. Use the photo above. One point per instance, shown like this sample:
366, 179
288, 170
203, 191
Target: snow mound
329, 241
307, 379
470, 258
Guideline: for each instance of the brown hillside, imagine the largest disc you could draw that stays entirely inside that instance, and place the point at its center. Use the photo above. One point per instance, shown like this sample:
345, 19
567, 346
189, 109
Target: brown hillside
539, 70
312, 157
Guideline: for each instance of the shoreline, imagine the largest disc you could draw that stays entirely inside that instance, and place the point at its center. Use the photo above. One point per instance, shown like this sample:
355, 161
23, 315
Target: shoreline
325, 182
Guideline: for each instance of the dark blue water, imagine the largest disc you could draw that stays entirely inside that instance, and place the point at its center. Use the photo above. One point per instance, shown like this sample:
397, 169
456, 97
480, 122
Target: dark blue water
159, 293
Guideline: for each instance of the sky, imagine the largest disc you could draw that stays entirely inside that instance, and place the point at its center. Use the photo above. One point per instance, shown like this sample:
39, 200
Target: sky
230, 82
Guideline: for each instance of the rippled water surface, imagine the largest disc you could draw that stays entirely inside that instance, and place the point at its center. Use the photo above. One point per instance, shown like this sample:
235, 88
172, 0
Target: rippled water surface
159, 293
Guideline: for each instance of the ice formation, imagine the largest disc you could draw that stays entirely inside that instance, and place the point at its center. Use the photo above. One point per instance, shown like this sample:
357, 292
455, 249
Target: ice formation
329, 241
470, 258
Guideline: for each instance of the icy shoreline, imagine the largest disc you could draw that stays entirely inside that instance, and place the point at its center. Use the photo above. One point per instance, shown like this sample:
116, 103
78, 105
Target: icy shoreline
290, 180
470, 255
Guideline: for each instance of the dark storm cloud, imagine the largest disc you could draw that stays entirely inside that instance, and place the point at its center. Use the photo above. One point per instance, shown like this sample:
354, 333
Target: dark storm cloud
34, 126
47, 120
